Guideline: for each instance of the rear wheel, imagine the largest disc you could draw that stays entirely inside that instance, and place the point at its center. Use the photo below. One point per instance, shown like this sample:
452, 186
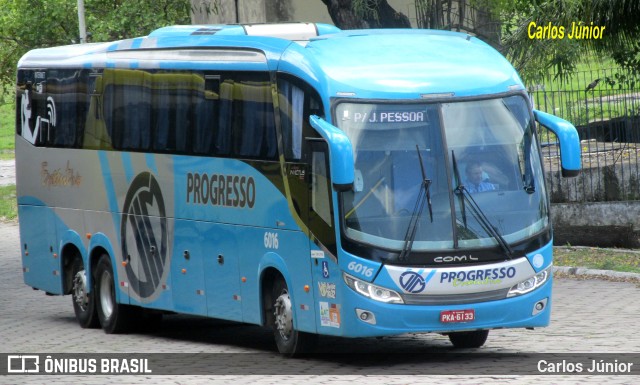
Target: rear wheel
83, 300
473, 339
114, 317
289, 341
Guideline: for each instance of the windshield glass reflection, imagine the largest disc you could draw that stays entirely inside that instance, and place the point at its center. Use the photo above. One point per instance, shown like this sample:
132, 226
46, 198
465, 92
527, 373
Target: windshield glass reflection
497, 159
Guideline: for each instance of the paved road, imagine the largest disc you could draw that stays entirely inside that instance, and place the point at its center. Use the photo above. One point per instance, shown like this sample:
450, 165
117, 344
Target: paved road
7, 172
590, 316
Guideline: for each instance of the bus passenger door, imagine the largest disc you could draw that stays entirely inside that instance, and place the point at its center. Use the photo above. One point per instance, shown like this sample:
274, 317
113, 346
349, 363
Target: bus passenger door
325, 270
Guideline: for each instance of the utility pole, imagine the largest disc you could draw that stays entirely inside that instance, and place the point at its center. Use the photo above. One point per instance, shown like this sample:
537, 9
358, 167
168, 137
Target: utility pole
81, 25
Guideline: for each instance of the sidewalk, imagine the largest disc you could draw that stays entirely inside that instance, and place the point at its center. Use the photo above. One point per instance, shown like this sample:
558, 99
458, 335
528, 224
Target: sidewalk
7, 172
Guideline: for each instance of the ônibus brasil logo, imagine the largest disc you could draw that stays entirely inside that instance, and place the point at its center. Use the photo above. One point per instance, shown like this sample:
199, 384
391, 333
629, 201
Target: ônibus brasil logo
143, 231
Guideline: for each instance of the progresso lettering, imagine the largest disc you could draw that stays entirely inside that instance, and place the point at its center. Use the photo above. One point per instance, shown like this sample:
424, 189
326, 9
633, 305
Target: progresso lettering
236, 191
478, 275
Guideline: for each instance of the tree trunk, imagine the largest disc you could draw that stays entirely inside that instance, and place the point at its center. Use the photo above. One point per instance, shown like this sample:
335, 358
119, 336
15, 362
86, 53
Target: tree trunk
343, 16
389, 17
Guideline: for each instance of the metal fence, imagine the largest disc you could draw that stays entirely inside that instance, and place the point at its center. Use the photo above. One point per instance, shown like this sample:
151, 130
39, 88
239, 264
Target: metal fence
605, 108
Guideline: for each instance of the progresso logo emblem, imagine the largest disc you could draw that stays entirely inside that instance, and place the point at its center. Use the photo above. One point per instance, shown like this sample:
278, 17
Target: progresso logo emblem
412, 282
415, 281
143, 233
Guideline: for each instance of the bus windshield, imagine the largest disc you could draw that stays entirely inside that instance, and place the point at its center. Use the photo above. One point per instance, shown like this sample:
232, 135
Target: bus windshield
485, 147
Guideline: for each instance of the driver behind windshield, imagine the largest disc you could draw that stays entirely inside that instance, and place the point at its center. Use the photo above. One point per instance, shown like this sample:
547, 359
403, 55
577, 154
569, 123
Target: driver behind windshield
477, 179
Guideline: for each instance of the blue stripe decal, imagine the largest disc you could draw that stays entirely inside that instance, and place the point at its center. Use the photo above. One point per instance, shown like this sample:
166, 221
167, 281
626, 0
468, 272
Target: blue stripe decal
151, 163
136, 43
128, 167
428, 278
110, 190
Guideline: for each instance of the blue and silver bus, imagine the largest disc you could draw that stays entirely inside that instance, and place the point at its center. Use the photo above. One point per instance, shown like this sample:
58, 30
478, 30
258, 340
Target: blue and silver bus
310, 180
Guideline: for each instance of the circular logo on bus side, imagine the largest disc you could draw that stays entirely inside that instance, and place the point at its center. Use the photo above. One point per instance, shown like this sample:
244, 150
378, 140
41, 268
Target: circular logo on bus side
143, 231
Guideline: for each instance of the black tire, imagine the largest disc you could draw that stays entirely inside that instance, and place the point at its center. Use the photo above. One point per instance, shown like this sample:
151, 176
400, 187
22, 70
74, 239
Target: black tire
474, 339
84, 305
290, 342
114, 317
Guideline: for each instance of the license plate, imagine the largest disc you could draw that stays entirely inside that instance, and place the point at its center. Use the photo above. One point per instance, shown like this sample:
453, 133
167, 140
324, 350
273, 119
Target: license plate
449, 316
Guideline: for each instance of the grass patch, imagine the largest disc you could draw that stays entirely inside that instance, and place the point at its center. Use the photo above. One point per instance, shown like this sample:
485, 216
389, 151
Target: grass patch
7, 128
613, 97
596, 258
8, 203
583, 75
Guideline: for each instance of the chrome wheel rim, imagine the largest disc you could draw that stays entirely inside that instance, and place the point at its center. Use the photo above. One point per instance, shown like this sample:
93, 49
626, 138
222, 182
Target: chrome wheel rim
283, 315
80, 295
106, 297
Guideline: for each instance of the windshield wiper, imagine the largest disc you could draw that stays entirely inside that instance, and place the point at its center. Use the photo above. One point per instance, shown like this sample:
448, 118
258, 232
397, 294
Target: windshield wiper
528, 181
486, 224
424, 195
456, 174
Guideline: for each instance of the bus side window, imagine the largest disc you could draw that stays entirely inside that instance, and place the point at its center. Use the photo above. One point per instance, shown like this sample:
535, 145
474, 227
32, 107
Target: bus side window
95, 135
225, 119
127, 101
205, 117
320, 185
254, 124
291, 118
297, 101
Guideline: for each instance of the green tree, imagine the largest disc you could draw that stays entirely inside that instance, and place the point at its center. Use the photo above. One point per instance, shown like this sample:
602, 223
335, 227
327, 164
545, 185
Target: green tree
110, 20
537, 57
29, 24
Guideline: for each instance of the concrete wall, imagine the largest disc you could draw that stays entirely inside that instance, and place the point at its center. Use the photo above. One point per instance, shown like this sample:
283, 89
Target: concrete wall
608, 183
224, 11
597, 208
603, 224
261, 11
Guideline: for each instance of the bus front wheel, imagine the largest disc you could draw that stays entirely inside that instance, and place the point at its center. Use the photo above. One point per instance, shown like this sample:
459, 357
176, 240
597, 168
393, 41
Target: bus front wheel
84, 304
289, 340
114, 317
473, 339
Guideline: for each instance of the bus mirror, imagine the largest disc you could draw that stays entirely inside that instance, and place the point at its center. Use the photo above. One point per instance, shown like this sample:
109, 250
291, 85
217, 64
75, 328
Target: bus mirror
340, 153
568, 139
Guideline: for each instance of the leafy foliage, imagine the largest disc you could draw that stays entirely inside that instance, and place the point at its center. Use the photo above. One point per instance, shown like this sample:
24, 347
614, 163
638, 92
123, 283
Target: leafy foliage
536, 58
29, 24
122, 19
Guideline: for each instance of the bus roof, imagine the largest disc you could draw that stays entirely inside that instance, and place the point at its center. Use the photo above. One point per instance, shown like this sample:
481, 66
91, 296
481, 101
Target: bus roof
371, 64
411, 64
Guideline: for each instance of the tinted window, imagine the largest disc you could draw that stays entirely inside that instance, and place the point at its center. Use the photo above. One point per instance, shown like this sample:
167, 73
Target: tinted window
182, 112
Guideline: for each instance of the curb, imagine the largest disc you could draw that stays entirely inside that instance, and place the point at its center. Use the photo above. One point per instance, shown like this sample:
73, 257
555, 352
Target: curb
583, 271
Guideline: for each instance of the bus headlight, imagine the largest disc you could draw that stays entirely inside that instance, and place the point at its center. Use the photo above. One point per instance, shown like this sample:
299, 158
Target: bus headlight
372, 291
530, 284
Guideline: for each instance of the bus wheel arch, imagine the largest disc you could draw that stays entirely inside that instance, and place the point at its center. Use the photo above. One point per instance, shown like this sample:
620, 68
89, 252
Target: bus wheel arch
69, 254
278, 313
